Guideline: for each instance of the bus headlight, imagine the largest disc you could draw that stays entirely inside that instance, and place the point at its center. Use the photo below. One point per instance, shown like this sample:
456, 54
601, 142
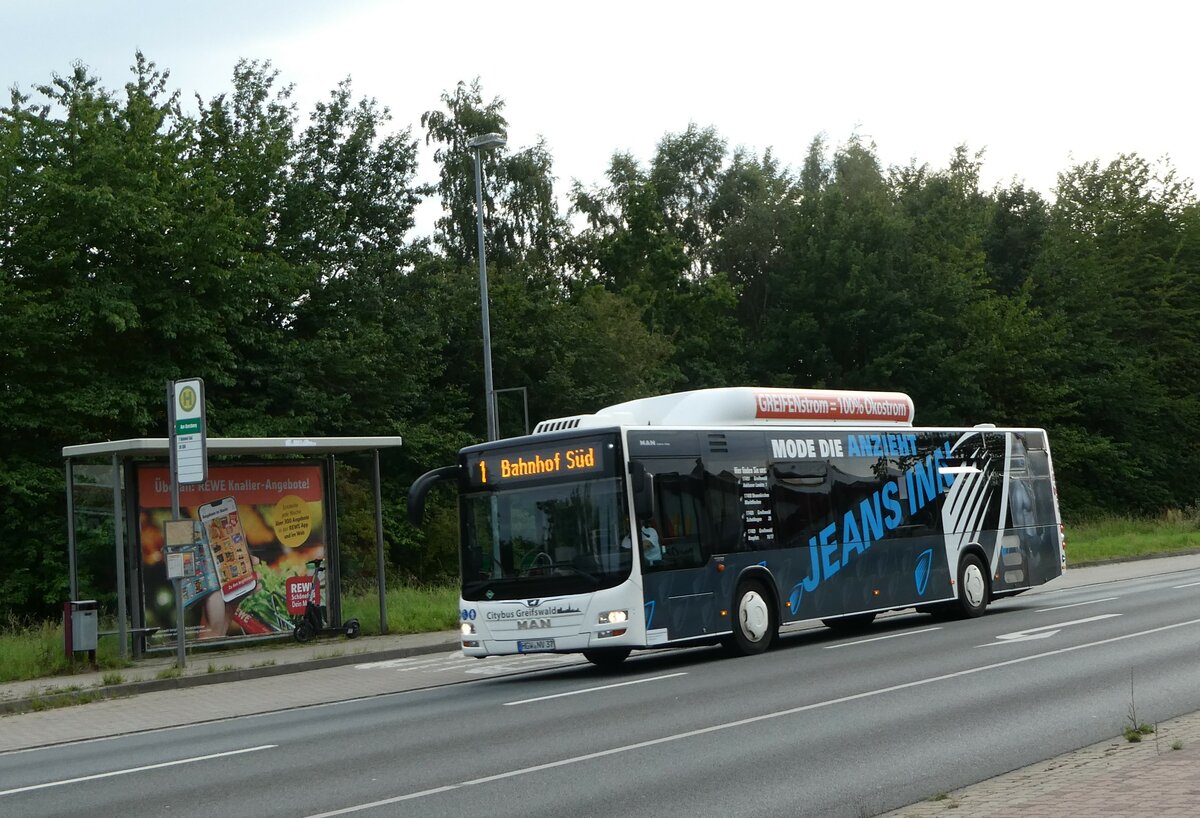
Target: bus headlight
613, 617
468, 628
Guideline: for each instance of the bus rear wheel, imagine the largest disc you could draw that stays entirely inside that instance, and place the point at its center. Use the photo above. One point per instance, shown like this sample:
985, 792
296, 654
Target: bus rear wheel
606, 658
755, 620
972, 587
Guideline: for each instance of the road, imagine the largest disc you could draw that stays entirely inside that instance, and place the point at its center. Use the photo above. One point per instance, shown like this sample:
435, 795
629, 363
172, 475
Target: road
824, 725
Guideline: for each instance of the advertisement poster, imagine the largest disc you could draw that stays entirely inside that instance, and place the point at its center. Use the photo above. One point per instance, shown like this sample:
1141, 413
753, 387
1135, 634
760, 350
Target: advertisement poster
256, 527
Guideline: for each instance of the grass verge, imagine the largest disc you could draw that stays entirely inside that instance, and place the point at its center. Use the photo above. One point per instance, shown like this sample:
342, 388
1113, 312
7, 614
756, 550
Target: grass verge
1127, 538
31, 650
409, 610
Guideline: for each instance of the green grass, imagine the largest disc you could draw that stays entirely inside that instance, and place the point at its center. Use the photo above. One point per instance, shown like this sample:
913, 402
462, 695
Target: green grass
1134, 734
1116, 538
31, 650
34, 650
409, 610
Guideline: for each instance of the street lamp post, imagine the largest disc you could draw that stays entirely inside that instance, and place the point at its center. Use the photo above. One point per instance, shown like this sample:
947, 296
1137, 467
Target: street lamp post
487, 140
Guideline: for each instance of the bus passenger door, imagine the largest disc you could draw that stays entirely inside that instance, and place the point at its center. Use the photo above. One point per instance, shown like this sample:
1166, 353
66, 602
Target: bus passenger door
682, 586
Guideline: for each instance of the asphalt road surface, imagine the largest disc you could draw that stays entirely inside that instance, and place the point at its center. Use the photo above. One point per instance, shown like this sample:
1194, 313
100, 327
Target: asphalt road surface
824, 725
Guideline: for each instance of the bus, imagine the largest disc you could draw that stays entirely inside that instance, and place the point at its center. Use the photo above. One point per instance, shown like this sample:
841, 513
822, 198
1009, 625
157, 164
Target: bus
718, 515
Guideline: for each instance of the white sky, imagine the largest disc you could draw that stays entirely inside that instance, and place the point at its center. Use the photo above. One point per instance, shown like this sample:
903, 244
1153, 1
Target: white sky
1037, 85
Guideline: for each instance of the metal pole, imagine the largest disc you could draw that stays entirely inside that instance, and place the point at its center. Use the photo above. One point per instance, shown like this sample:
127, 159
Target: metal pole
383, 628
524, 390
119, 536
133, 559
171, 453
483, 302
333, 550
172, 467
72, 570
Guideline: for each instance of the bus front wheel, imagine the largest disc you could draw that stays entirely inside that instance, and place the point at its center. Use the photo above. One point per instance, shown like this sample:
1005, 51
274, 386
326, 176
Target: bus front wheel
606, 658
754, 619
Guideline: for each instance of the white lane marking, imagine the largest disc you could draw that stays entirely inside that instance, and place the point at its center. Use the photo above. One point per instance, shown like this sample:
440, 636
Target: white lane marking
492, 670
457, 663
1189, 585
881, 638
136, 769
410, 662
1042, 632
743, 722
594, 689
1077, 604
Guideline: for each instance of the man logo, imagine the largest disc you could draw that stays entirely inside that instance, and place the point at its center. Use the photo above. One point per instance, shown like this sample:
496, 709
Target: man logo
532, 624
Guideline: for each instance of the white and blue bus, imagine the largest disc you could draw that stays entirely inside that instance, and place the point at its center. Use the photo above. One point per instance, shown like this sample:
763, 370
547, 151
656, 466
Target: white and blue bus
718, 515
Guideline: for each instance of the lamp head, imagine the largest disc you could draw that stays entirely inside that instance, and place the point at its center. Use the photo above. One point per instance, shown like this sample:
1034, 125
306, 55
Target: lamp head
487, 140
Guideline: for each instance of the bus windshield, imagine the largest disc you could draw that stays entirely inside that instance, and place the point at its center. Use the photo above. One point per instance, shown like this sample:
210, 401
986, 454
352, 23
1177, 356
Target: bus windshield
545, 540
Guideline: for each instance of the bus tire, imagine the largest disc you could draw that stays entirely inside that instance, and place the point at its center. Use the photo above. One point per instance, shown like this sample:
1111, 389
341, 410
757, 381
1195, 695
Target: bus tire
606, 658
755, 620
972, 587
849, 624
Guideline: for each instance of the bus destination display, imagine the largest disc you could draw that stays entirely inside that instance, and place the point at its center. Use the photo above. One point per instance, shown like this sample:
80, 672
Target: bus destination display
512, 465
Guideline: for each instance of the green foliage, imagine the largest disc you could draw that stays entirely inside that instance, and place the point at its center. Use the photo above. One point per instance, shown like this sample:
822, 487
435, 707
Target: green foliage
1112, 537
31, 649
423, 609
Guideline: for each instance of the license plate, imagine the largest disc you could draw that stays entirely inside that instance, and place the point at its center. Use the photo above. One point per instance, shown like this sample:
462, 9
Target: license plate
535, 645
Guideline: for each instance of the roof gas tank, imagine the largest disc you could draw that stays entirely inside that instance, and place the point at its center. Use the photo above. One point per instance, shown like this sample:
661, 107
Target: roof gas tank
751, 406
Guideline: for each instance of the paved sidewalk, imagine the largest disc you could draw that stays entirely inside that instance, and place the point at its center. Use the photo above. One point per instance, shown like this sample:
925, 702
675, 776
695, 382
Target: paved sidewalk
1151, 779
205, 667
1158, 777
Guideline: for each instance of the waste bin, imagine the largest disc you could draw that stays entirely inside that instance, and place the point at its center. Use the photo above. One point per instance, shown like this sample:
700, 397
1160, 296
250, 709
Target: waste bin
80, 625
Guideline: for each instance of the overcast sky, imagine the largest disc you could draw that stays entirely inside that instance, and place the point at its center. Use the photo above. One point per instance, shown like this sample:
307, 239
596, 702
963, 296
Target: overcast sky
1037, 85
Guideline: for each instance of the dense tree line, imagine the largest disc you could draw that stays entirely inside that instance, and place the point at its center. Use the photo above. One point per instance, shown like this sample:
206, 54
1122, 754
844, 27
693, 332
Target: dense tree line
274, 255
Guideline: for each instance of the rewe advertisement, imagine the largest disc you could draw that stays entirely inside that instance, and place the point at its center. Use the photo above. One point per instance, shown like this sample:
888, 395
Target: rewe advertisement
256, 527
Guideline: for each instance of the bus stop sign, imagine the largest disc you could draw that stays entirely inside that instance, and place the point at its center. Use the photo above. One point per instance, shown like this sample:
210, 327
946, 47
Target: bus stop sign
188, 434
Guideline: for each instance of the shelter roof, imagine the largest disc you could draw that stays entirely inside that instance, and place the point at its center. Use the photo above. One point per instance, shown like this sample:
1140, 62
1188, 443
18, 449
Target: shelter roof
158, 446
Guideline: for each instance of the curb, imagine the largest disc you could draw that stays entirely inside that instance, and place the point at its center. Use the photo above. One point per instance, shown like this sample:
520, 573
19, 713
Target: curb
66, 698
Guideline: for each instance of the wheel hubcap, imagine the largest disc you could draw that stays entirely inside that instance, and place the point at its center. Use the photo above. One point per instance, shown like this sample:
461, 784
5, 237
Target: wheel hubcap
753, 615
973, 585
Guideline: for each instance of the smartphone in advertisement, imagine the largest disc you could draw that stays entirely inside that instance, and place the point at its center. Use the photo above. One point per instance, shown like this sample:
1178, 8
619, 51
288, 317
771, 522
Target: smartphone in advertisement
230, 552
203, 579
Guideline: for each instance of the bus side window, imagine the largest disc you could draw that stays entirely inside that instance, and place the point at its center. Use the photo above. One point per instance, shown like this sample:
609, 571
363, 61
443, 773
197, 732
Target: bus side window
724, 494
853, 480
684, 529
800, 496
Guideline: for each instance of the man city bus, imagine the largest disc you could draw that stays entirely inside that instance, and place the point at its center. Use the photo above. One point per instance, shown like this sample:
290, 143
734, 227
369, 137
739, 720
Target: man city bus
718, 515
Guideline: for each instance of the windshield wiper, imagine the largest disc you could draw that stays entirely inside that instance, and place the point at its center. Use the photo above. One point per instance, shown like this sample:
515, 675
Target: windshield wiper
566, 566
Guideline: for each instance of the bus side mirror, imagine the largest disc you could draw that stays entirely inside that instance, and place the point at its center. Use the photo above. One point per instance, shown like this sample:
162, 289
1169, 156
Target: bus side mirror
420, 488
643, 491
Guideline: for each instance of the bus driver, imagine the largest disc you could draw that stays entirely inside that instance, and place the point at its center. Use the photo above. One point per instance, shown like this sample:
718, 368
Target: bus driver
651, 548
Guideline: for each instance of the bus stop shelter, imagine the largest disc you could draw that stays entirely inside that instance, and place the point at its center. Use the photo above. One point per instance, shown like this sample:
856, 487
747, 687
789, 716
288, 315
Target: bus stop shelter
120, 455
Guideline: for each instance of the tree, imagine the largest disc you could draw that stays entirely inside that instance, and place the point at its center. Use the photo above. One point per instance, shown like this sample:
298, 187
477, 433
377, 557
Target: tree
115, 258
1118, 270
523, 221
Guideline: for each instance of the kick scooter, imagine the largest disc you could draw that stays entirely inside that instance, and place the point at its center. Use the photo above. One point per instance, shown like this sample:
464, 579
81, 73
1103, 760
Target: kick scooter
313, 623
